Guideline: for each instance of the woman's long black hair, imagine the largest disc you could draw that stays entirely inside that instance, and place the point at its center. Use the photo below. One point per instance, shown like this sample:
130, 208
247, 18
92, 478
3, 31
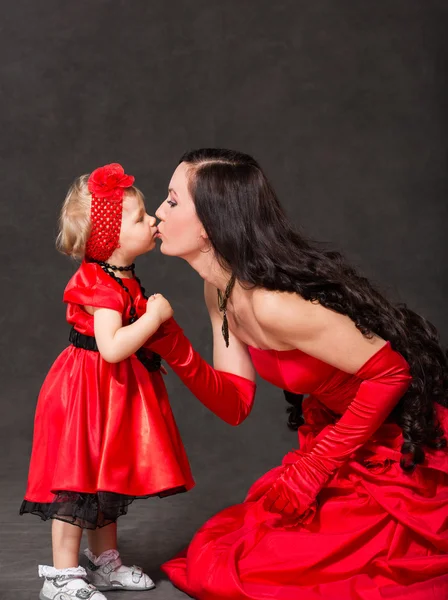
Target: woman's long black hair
252, 238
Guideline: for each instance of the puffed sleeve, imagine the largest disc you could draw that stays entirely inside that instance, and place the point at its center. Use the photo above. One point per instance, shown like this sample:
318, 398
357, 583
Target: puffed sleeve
90, 286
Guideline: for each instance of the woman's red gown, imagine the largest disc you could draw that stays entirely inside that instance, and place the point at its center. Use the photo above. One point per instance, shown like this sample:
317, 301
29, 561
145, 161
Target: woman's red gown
376, 534
104, 434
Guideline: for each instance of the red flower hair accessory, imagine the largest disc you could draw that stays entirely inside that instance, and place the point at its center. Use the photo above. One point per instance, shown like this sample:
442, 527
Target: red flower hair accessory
109, 181
107, 186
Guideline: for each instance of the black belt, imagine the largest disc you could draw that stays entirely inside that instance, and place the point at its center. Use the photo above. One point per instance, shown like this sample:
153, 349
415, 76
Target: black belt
151, 361
86, 342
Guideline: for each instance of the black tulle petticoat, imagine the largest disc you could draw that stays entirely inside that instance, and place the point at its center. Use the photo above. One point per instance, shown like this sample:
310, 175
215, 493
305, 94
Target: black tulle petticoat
88, 511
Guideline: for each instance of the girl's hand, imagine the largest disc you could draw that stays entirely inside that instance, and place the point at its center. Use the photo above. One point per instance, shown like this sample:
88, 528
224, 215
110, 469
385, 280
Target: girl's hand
159, 305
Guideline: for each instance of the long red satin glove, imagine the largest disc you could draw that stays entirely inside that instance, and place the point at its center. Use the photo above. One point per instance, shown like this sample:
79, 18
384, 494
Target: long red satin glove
228, 396
385, 380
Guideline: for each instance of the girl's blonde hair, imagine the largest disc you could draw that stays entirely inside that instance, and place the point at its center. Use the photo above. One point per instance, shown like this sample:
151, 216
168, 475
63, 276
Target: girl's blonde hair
74, 221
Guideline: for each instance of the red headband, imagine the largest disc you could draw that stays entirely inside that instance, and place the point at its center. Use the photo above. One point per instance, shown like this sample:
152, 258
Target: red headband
107, 185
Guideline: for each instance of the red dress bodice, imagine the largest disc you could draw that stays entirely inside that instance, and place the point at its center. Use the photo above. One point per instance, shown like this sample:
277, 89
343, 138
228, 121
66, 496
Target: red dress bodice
300, 373
91, 286
329, 392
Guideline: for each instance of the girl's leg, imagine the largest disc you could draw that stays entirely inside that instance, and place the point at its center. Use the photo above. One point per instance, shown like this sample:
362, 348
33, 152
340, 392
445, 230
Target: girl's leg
107, 571
66, 579
66, 539
102, 539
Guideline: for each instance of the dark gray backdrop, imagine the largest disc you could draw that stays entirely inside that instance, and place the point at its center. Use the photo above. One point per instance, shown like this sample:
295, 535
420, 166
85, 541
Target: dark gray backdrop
343, 103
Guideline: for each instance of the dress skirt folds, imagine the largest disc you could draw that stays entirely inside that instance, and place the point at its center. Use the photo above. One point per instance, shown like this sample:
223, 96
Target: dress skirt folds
376, 532
104, 434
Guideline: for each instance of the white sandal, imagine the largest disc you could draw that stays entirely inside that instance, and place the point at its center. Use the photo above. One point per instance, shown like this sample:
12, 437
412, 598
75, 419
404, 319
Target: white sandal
67, 584
107, 572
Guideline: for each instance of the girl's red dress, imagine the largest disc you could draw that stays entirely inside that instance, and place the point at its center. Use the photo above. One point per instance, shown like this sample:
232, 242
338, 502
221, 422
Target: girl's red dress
104, 431
377, 532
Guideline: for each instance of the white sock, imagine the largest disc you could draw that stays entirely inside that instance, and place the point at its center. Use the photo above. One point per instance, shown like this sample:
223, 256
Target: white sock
104, 558
51, 572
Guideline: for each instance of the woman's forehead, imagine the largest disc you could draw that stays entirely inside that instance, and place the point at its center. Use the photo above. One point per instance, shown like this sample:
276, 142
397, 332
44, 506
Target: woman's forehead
179, 180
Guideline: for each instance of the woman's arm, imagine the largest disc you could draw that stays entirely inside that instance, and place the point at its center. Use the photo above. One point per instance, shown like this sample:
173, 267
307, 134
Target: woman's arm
229, 393
333, 338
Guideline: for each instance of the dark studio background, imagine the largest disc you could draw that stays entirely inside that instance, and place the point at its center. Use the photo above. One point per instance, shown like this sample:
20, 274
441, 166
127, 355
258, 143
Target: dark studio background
343, 103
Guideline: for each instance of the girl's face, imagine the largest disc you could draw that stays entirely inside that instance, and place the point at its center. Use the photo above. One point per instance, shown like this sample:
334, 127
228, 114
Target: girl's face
137, 227
180, 230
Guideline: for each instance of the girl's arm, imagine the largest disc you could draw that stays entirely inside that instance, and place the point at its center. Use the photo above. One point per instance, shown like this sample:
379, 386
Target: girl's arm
115, 342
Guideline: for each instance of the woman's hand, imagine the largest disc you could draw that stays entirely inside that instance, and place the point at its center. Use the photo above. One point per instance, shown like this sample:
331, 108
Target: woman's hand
158, 305
284, 495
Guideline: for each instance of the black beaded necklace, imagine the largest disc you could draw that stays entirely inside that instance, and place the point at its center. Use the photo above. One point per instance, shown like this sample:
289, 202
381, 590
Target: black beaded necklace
110, 270
154, 363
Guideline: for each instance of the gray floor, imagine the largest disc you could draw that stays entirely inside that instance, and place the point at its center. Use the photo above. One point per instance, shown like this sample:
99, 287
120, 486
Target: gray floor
225, 461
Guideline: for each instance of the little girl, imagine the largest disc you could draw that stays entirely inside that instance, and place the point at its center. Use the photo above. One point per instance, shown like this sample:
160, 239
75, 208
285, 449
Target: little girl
104, 432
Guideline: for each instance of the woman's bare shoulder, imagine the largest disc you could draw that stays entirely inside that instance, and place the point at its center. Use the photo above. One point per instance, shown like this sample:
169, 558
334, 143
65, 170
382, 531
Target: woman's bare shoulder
316, 330
272, 307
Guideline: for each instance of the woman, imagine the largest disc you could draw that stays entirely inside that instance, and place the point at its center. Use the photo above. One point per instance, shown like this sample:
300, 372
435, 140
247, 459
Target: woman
359, 511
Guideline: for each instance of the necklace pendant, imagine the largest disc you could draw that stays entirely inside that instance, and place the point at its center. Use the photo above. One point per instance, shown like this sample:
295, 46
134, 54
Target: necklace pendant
225, 329
222, 305
225, 335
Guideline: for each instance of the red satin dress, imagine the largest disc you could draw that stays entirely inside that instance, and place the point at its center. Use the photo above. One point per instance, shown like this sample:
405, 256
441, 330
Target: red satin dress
104, 434
375, 533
